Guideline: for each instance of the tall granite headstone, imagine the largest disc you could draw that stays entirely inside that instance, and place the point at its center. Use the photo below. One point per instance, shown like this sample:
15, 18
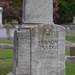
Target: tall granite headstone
39, 44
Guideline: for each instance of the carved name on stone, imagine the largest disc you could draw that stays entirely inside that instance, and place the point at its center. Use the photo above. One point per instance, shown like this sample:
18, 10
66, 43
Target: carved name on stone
48, 54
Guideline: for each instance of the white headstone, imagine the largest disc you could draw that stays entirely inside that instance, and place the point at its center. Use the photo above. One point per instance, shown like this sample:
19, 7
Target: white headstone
38, 11
1, 9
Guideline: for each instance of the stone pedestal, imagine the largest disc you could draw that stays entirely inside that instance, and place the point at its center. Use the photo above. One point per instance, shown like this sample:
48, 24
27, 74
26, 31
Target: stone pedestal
40, 50
1, 9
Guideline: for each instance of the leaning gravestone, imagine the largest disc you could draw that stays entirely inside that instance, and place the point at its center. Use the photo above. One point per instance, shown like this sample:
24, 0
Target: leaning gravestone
39, 44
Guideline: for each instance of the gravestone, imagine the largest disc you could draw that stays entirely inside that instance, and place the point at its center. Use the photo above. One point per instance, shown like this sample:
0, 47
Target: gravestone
72, 51
1, 9
73, 19
8, 31
39, 43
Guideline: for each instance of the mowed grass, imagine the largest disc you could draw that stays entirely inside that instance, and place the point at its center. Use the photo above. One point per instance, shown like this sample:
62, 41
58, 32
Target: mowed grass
6, 55
5, 41
5, 68
70, 40
70, 33
67, 52
6, 61
70, 69
6, 58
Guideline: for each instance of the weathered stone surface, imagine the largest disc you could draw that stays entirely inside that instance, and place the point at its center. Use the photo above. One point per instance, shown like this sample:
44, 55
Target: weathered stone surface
48, 53
41, 50
38, 11
23, 52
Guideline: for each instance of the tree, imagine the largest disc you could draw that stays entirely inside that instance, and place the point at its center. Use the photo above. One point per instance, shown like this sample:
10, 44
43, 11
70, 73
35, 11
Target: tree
11, 9
55, 11
66, 10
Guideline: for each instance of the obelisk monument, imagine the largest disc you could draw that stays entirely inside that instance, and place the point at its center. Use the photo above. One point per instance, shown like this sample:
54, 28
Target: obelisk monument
39, 44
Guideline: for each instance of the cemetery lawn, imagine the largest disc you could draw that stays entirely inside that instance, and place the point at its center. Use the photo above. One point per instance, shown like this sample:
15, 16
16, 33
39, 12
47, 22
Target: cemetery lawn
6, 59
67, 53
70, 69
70, 33
70, 40
5, 41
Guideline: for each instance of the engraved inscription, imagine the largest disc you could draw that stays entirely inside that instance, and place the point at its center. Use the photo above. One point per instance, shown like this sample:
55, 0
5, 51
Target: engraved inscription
47, 55
49, 38
53, 44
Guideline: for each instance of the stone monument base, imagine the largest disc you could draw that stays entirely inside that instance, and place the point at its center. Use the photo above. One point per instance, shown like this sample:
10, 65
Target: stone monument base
39, 49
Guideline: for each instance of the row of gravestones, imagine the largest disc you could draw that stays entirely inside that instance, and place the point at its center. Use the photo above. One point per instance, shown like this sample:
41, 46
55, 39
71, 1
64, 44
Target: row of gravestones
6, 33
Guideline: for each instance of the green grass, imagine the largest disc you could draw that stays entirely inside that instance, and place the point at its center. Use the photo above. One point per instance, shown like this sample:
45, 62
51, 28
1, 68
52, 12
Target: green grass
67, 53
70, 69
6, 59
5, 41
5, 68
70, 33
6, 55
70, 40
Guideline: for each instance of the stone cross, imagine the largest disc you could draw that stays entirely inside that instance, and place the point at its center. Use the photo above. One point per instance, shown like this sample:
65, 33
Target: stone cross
37, 11
1, 9
39, 45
